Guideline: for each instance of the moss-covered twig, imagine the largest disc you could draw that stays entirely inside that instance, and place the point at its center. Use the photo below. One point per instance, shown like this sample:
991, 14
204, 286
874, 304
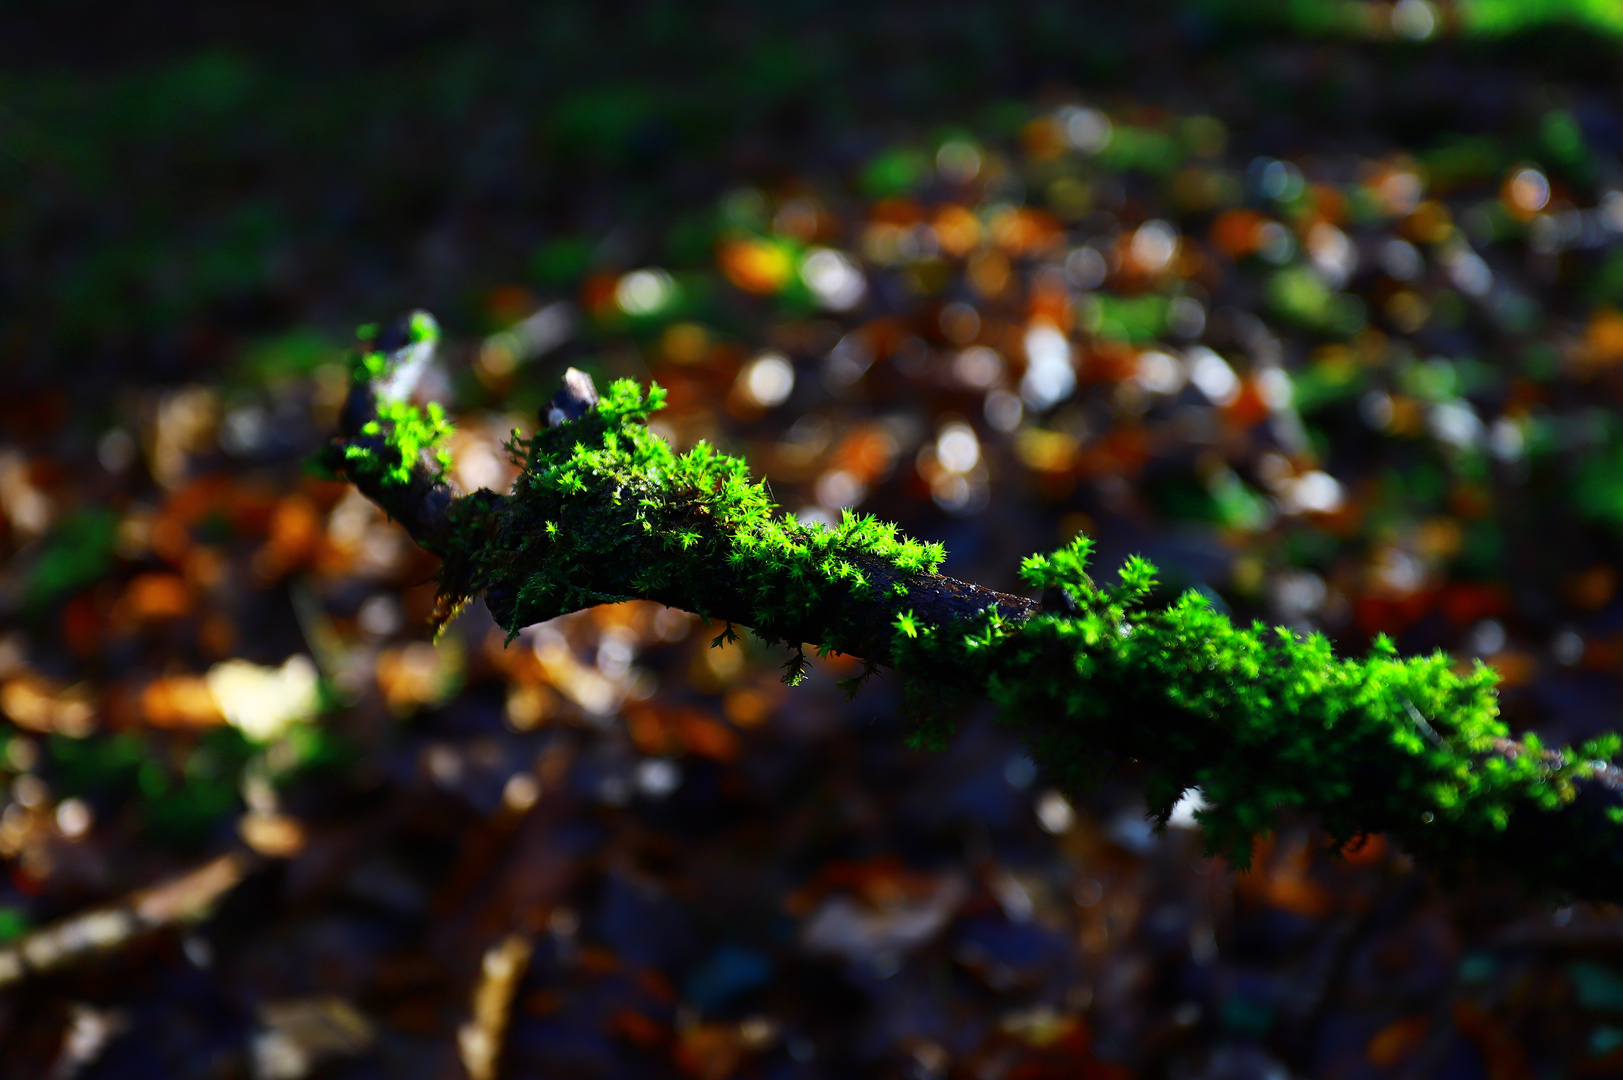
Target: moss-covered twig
1259, 719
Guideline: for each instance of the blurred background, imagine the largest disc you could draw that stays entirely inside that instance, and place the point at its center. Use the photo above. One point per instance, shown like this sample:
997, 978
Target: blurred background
1313, 302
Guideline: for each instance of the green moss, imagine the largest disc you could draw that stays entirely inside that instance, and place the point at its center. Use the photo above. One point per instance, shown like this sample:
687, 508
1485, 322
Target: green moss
1262, 720
410, 435
415, 435
692, 528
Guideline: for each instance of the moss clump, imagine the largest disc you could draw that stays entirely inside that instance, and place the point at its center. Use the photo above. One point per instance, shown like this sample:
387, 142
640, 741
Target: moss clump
1261, 720
605, 511
410, 435
399, 436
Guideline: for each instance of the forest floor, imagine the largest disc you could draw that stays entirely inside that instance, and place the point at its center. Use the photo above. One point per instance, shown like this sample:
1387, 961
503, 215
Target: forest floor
1328, 327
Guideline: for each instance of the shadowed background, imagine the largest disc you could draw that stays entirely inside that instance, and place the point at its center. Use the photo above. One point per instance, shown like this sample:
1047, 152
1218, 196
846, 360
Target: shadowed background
1315, 304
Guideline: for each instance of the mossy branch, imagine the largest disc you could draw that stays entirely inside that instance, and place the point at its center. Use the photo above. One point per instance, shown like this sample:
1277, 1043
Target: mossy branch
1260, 720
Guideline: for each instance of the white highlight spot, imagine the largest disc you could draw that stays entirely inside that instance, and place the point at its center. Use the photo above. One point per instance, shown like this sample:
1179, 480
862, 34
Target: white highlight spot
957, 448
1086, 129
73, 818
978, 366
1183, 814
1160, 373
1049, 377
1530, 189
1414, 19
1212, 376
1054, 813
264, 702
1154, 245
834, 278
1317, 491
769, 380
644, 292
657, 778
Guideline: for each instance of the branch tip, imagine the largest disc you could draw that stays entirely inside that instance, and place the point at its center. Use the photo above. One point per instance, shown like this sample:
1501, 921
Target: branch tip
574, 399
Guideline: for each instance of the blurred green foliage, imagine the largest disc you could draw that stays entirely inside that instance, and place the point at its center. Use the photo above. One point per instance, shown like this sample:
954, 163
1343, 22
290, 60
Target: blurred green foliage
76, 553
179, 798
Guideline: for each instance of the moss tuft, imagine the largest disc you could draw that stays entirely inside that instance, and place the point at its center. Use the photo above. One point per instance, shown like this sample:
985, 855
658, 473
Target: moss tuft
605, 491
1261, 720
401, 435
410, 436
